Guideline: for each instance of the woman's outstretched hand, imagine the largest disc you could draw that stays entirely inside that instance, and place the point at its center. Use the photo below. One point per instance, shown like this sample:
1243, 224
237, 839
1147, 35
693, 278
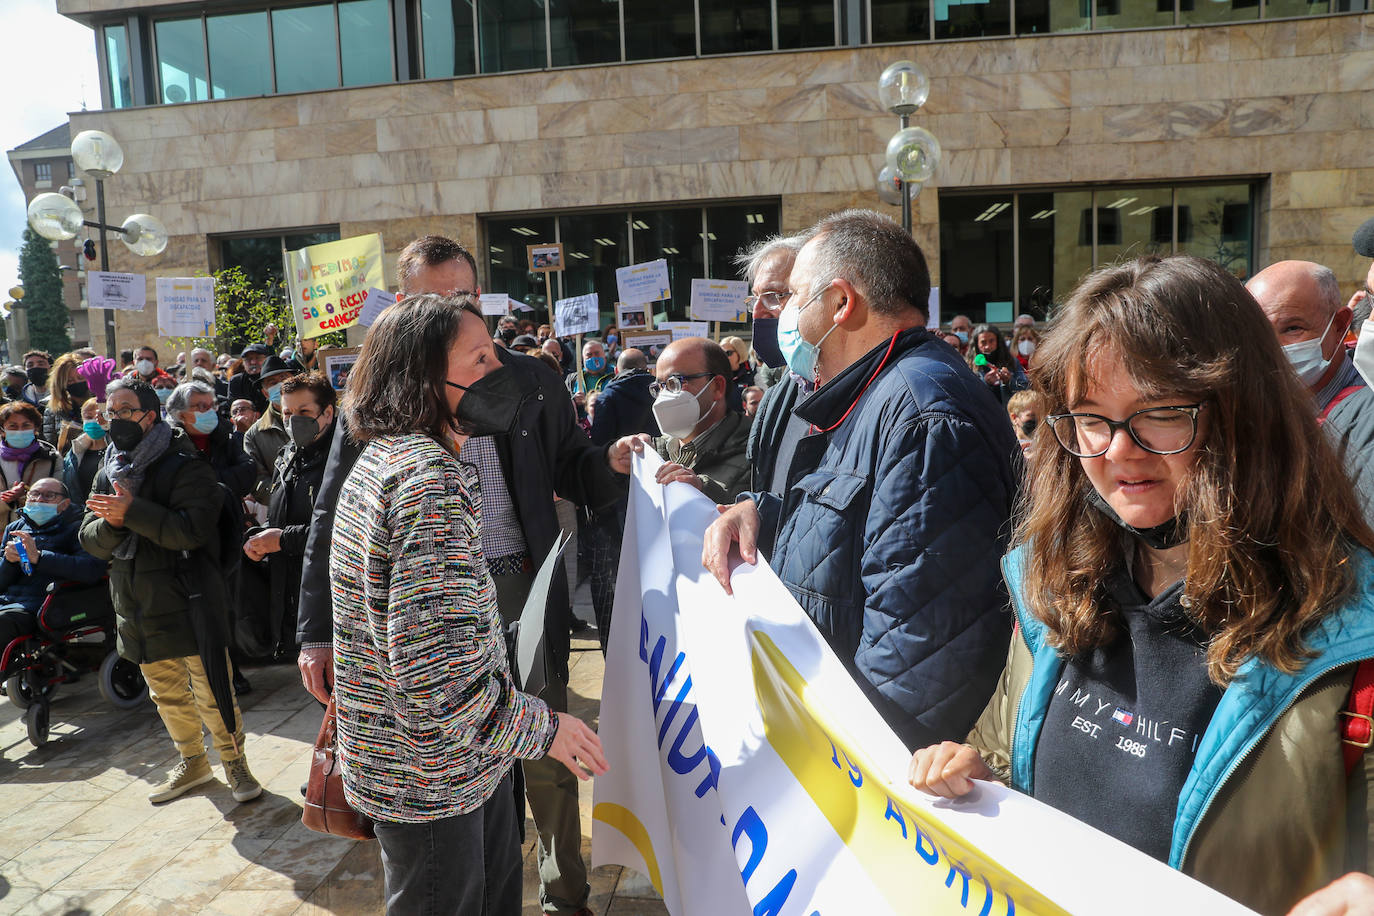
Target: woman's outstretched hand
577, 747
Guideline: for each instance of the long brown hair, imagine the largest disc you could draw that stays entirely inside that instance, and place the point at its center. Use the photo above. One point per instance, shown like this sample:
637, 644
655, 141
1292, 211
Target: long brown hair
1272, 519
63, 374
397, 385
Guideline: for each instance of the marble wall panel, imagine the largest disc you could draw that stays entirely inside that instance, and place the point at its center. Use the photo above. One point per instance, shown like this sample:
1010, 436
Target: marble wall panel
453, 128
774, 140
1354, 72
1031, 128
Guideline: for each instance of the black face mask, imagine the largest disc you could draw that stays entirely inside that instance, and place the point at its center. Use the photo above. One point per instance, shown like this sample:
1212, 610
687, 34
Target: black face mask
507, 335
766, 342
125, 434
79, 391
1160, 537
490, 406
38, 375
1028, 429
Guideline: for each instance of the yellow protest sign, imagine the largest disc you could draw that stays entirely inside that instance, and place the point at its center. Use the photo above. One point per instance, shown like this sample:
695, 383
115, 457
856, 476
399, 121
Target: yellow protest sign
329, 282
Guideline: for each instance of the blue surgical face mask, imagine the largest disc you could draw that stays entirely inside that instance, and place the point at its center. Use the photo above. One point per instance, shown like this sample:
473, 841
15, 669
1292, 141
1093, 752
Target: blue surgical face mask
19, 438
206, 423
801, 354
93, 429
962, 335
40, 513
274, 394
594, 364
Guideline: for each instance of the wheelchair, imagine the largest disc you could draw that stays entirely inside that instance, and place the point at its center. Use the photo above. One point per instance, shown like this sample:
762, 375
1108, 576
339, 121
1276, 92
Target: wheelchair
75, 635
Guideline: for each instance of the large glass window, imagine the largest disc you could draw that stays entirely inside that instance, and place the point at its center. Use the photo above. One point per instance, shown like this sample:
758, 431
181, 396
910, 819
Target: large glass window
447, 38
1274, 9
1059, 236
365, 42
1125, 14
1035, 17
240, 64
728, 26
1198, 12
972, 18
654, 29
306, 48
117, 66
181, 60
511, 35
696, 242
260, 256
806, 23
898, 20
584, 32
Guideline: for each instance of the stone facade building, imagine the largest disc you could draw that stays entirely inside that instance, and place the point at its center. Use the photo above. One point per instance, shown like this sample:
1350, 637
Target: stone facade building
1070, 143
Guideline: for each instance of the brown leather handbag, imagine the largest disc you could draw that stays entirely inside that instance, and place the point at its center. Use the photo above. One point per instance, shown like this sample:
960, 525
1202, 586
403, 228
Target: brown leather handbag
326, 809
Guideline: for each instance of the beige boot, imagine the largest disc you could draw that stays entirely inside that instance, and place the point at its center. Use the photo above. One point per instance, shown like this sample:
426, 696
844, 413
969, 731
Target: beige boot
240, 780
185, 776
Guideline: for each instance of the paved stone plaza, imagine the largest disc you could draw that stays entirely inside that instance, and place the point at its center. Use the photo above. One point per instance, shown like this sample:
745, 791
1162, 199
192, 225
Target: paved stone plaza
78, 835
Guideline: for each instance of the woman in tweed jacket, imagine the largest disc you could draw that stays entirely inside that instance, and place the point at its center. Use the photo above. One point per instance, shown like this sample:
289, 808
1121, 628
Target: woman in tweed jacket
430, 721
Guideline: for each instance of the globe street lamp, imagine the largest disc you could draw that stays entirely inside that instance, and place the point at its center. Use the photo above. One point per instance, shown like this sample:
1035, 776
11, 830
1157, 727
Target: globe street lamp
913, 153
57, 217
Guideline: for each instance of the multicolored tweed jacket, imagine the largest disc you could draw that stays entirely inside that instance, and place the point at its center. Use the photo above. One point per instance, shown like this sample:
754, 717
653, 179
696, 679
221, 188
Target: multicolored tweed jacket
429, 719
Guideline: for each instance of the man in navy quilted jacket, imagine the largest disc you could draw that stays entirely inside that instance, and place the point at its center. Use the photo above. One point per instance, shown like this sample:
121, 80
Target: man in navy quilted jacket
889, 507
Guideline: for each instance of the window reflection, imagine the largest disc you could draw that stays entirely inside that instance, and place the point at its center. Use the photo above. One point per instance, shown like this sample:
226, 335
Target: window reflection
508, 263
729, 26
1193, 12
806, 23
976, 270
654, 29
594, 245
181, 60
447, 39
239, 62
117, 66
898, 20
677, 237
511, 34
1035, 17
1053, 255
735, 227
584, 32
1133, 222
972, 18
365, 42
1214, 222
306, 49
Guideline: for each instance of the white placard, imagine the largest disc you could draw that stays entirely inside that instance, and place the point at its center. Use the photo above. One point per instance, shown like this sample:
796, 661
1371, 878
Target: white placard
377, 301
934, 306
109, 290
519, 306
576, 315
495, 304
681, 329
186, 306
641, 283
719, 300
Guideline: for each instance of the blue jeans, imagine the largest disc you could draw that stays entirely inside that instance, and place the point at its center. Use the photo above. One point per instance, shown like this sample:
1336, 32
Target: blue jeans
465, 865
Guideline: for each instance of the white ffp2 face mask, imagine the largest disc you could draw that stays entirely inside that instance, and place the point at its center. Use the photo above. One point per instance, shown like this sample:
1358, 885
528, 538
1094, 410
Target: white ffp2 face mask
1306, 356
1364, 352
679, 413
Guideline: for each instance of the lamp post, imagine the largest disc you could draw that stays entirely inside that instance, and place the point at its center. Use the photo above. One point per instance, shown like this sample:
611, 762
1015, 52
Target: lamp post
57, 217
913, 153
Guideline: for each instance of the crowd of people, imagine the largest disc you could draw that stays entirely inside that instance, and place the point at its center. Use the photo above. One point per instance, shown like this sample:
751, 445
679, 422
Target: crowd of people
1119, 560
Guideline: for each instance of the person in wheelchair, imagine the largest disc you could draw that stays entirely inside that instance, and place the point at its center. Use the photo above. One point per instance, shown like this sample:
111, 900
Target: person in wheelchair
43, 536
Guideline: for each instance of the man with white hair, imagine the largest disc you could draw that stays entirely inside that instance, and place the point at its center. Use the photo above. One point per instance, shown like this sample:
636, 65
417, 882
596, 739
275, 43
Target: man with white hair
1302, 301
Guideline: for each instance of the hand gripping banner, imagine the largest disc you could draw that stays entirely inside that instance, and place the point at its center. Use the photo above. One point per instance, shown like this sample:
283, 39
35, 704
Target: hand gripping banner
749, 775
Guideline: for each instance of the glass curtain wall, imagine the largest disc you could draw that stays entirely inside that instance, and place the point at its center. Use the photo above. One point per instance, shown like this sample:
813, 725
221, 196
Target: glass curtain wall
181, 61
117, 66
447, 38
1004, 253
696, 242
365, 45
655, 30
240, 58
583, 32
306, 47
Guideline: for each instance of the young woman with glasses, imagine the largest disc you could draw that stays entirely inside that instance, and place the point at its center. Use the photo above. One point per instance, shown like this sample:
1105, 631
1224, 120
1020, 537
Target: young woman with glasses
1194, 591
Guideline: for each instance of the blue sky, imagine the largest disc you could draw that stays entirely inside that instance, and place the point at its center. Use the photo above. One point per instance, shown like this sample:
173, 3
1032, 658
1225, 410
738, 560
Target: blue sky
37, 39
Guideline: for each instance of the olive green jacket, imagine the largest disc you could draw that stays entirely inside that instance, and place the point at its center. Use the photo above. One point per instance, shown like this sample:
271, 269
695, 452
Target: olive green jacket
1267, 815
716, 456
149, 601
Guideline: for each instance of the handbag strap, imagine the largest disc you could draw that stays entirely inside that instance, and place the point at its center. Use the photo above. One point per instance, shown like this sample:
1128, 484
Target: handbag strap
1357, 719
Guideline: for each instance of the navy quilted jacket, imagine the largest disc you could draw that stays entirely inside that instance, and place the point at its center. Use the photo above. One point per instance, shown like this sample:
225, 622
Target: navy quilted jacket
892, 529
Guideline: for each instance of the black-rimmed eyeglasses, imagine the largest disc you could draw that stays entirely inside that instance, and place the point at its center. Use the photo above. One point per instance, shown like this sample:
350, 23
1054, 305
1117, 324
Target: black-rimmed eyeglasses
1158, 430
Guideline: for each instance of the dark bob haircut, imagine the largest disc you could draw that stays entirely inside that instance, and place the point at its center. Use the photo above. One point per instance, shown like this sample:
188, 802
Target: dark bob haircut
397, 386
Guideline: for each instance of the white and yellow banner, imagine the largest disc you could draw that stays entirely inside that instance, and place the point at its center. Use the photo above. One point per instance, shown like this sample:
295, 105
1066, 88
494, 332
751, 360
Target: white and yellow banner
329, 282
749, 775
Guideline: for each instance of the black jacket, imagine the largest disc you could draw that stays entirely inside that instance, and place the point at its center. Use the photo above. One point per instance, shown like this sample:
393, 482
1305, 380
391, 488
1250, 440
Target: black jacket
296, 482
233, 466
243, 385
545, 453
624, 408
60, 559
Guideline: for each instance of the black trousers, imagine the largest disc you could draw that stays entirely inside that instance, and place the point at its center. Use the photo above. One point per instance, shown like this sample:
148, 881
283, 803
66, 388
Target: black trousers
466, 865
